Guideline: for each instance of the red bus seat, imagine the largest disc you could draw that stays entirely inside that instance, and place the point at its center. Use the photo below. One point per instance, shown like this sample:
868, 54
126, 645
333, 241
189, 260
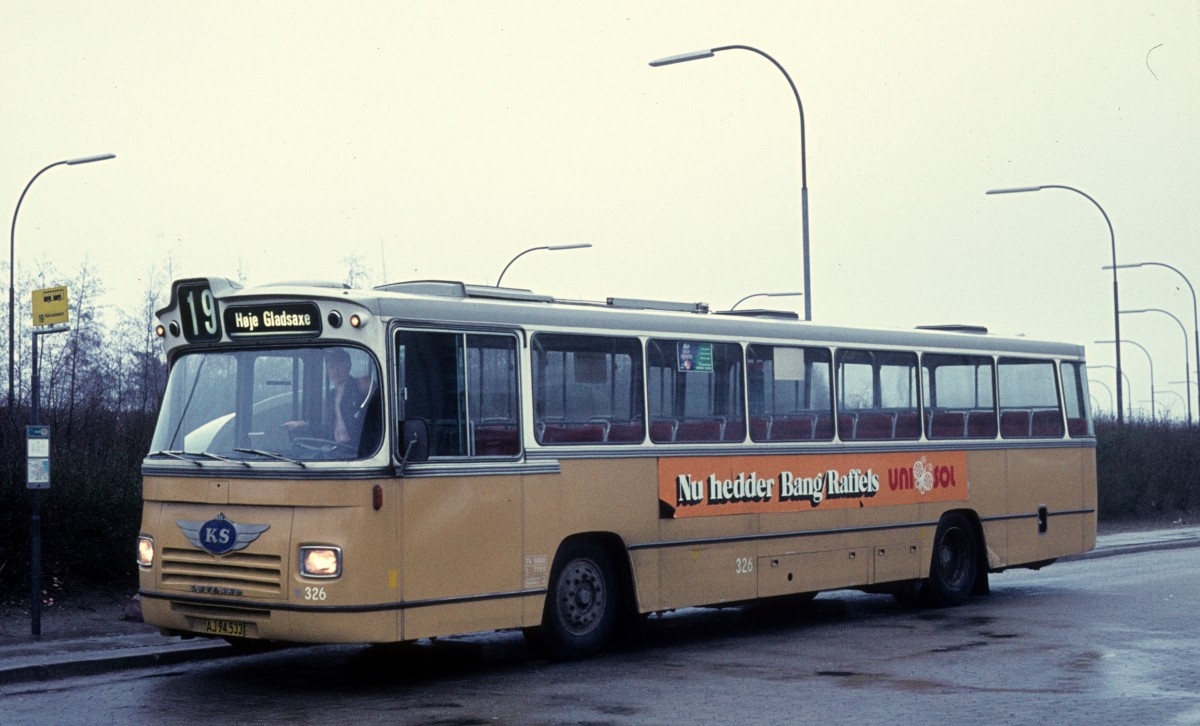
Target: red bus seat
705, 429
796, 427
1014, 424
735, 430
908, 425
981, 425
947, 425
626, 432
1046, 424
662, 431
573, 433
496, 440
760, 428
823, 429
874, 426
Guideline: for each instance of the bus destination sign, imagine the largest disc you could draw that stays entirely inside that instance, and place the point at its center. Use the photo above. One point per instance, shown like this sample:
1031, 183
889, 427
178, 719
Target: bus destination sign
303, 318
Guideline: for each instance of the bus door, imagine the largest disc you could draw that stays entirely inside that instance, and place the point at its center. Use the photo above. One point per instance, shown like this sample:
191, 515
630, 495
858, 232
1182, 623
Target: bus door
462, 531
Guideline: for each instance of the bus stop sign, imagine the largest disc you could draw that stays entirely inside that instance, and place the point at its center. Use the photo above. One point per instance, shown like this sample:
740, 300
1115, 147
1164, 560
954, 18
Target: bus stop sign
50, 306
37, 445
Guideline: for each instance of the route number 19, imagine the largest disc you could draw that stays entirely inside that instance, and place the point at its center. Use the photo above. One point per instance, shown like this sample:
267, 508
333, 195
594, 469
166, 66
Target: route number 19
198, 313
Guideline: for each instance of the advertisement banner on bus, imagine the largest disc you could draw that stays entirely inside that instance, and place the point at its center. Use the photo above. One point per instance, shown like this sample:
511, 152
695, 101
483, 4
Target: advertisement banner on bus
715, 485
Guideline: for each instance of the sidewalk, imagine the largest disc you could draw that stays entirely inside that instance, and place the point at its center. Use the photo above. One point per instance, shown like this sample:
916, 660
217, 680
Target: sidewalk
78, 643
1130, 542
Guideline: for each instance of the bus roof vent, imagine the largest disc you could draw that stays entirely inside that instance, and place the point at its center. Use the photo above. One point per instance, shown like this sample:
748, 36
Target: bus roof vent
776, 314
439, 288
307, 283
506, 293
444, 288
625, 302
956, 328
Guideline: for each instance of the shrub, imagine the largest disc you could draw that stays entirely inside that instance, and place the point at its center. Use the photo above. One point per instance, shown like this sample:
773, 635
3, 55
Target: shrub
1146, 467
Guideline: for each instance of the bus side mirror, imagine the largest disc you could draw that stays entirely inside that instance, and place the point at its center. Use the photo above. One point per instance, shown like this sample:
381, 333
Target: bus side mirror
414, 438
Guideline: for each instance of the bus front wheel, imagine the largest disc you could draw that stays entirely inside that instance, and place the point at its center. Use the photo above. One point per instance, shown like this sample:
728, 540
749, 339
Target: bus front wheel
581, 606
955, 562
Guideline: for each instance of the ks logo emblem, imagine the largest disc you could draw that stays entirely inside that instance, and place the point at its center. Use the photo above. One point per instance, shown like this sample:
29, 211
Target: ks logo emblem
220, 535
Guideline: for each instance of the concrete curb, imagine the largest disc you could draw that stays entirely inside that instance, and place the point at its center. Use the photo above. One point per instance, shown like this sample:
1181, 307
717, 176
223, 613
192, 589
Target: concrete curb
116, 657
1120, 544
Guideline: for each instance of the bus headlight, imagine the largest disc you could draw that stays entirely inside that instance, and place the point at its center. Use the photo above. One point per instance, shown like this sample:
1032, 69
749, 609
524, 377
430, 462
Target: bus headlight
316, 561
145, 551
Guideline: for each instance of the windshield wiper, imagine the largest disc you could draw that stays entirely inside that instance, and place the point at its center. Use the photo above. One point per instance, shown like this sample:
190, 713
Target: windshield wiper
272, 455
218, 457
174, 455
183, 456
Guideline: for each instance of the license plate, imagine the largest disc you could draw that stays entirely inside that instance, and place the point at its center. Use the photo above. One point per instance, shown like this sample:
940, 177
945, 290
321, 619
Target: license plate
225, 628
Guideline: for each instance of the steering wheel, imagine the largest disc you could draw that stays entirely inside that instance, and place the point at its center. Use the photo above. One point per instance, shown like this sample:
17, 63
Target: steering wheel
319, 445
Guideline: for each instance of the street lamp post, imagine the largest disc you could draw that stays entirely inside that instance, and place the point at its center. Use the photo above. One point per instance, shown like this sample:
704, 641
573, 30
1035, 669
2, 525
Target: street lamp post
1105, 385
766, 294
1195, 309
1125, 379
1170, 393
12, 243
1112, 235
1118, 343
1187, 363
1192, 376
551, 248
697, 55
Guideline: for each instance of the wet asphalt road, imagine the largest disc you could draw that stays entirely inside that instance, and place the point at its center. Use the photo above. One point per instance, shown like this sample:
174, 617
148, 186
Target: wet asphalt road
1110, 640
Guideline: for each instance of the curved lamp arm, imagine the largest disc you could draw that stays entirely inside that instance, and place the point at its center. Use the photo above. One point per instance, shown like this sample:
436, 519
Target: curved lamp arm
552, 248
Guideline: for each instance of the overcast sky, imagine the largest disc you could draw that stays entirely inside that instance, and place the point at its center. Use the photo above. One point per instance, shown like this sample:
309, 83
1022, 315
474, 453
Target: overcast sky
275, 140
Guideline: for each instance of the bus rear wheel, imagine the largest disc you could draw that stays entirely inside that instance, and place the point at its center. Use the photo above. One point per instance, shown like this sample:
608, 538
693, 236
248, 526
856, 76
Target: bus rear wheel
581, 606
955, 562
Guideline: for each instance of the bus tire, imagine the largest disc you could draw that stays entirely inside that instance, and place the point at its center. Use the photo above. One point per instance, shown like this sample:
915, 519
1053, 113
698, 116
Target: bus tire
955, 563
581, 605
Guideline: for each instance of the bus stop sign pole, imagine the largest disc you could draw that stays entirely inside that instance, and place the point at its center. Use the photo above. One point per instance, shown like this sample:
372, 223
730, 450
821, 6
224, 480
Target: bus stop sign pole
37, 459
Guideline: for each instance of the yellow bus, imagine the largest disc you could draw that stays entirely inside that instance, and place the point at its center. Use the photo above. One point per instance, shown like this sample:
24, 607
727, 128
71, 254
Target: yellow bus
431, 458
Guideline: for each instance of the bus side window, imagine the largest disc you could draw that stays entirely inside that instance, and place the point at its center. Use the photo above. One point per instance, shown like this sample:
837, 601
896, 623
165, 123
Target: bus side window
695, 391
464, 387
1029, 400
587, 390
959, 396
1077, 399
492, 395
877, 395
789, 393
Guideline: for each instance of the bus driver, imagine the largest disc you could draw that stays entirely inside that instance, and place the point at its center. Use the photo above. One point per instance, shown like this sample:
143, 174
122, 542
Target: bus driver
346, 423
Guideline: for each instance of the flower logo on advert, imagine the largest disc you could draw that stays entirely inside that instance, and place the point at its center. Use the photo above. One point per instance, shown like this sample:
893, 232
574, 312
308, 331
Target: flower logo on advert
923, 476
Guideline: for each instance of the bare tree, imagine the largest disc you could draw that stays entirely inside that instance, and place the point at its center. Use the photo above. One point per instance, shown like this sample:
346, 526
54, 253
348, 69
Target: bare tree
357, 276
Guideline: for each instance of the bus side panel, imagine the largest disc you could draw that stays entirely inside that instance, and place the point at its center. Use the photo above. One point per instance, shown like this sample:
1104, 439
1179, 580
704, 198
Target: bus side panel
708, 574
618, 496
1054, 479
461, 538
987, 472
1088, 477
805, 564
894, 550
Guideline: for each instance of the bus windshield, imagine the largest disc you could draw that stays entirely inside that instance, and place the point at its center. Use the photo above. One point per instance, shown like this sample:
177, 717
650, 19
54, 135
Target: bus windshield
289, 404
